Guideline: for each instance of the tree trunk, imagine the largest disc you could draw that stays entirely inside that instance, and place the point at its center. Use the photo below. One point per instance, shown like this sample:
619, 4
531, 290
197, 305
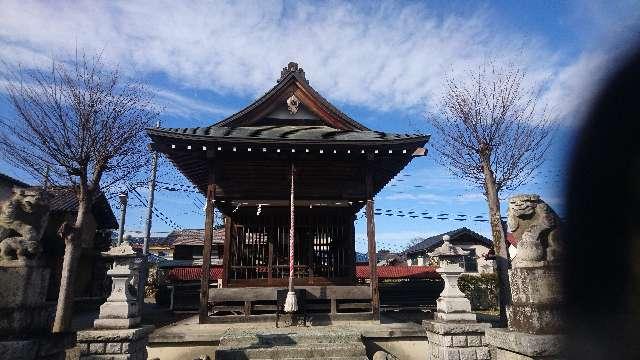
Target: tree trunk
499, 242
72, 250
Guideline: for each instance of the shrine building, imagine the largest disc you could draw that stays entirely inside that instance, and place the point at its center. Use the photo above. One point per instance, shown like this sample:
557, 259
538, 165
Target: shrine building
290, 157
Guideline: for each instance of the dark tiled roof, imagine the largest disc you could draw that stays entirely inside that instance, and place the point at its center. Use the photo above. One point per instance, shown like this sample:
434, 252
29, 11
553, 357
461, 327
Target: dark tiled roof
15, 182
434, 241
193, 237
153, 241
284, 132
64, 199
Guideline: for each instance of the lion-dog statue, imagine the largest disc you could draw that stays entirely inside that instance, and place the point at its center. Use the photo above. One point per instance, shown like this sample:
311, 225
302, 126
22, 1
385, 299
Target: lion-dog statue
23, 219
535, 226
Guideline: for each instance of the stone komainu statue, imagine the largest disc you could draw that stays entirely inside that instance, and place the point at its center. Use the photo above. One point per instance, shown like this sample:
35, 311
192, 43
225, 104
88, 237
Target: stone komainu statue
23, 219
535, 226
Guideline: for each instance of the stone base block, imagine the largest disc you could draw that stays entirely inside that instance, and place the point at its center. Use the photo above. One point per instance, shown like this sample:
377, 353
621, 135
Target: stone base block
119, 309
116, 323
453, 304
536, 295
513, 345
23, 283
45, 347
114, 344
468, 317
456, 341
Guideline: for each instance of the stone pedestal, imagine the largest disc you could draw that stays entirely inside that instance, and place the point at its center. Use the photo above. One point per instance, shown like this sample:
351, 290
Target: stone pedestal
514, 345
535, 318
114, 344
456, 341
25, 319
454, 334
117, 334
536, 300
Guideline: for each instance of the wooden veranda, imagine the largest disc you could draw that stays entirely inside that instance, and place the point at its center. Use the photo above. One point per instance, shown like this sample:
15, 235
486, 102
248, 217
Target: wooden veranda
246, 165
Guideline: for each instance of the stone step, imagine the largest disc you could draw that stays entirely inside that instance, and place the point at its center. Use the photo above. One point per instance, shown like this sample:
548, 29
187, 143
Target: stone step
287, 337
306, 351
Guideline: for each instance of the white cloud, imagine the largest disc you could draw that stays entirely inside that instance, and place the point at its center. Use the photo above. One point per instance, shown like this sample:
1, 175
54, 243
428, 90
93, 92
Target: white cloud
397, 52
183, 106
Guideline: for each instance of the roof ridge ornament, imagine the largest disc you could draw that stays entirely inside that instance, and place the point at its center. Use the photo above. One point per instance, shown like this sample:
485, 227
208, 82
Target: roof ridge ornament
292, 67
292, 104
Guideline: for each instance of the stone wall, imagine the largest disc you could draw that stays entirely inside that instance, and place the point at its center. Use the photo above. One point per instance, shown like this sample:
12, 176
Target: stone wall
115, 344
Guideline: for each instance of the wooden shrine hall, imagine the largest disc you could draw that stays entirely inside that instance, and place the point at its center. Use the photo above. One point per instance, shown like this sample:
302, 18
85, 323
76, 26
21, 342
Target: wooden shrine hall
290, 154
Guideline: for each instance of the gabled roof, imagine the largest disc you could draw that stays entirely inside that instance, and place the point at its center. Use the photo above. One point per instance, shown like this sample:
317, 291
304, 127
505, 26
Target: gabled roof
268, 119
292, 82
435, 241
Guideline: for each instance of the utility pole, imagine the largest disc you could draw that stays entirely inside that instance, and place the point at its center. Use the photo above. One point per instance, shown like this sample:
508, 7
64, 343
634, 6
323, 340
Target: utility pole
147, 228
123, 196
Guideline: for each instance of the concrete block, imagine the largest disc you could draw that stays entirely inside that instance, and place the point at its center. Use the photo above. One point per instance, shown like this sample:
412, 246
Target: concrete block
527, 344
449, 354
460, 340
468, 354
483, 353
113, 348
97, 348
474, 340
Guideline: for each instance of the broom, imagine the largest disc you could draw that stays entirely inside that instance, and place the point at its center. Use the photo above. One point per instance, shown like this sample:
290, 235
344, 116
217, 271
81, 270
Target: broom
291, 303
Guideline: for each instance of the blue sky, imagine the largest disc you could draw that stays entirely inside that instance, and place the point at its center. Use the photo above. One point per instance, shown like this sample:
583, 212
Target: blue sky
382, 63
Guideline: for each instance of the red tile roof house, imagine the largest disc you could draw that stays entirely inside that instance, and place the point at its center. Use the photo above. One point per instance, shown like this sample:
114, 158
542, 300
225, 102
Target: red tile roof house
183, 271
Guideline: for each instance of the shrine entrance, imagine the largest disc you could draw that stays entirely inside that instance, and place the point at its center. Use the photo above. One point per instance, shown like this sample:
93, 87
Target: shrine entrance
323, 250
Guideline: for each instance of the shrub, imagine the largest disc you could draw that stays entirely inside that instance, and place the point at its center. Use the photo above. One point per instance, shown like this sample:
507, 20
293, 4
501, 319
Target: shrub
481, 290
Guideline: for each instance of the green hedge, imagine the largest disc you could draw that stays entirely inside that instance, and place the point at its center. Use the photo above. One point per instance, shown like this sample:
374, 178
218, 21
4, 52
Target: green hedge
481, 290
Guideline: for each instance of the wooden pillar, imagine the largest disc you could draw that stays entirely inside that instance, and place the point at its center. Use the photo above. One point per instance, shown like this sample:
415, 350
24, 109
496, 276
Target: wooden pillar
351, 249
371, 240
226, 252
208, 239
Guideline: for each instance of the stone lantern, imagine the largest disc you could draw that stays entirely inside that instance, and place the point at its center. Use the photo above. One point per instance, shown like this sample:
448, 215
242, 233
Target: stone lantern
454, 332
118, 332
120, 311
452, 305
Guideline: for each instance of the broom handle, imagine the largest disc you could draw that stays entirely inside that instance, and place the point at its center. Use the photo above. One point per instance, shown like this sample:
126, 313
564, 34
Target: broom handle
291, 232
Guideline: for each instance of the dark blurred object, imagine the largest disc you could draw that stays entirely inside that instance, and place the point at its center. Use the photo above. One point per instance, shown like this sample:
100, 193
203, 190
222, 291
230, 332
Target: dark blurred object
603, 225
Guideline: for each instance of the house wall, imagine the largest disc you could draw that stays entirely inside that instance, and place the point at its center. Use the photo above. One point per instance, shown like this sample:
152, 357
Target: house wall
484, 266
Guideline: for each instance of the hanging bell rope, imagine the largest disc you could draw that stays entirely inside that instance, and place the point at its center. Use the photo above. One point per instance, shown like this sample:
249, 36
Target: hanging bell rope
291, 304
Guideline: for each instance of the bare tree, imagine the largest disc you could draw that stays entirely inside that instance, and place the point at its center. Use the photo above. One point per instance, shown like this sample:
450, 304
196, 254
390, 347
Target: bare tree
491, 132
78, 124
